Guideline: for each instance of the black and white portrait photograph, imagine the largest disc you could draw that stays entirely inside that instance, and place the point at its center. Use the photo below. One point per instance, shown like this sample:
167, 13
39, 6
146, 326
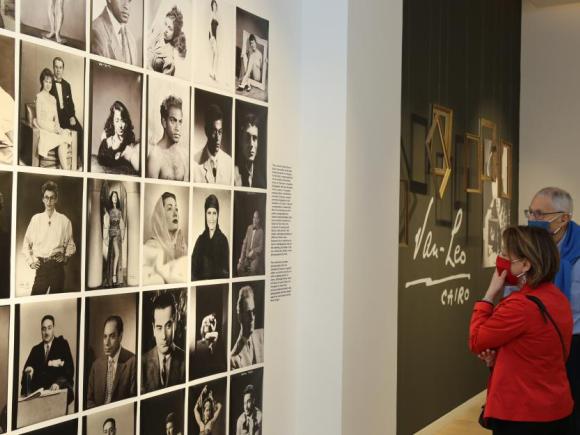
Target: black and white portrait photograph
116, 101
163, 414
60, 21
207, 408
117, 30
7, 105
168, 130
211, 225
113, 234
212, 138
214, 32
52, 107
247, 324
5, 232
249, 233
115, 421
251, 145
163, 333
4, 355
209, 336
45, 361
165, 234
7, 9
169, 37
69, 427
246, 395
48, 234
110, 370
251, 55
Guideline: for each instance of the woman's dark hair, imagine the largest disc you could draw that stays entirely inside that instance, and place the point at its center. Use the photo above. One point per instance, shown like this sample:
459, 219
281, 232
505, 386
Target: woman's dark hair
114, 192
167, 195
537, 246
128, 133
213, 2
178, 40
43, 74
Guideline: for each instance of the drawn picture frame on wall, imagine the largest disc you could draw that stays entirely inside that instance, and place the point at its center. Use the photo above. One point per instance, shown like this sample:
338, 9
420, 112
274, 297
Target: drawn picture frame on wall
488, 138
438, 142
473, 163
404, 212
444, 205
505, 170
419, 158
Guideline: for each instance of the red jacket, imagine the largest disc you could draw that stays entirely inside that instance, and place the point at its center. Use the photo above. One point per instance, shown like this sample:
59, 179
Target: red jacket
529, 380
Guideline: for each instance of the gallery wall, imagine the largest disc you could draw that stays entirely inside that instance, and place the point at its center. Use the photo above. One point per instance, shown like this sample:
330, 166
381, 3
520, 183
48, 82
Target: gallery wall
275, 380
550, 101
458, 190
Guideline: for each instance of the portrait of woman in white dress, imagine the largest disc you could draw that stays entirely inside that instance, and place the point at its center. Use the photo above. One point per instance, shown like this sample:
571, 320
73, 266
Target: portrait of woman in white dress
46, 120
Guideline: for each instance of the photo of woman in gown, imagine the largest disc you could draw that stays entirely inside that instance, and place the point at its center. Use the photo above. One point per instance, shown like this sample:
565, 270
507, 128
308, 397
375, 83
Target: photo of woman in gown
213, 25
167, 41
210, 254
206, 411
46, 120
118, 148
165, 252
113, 236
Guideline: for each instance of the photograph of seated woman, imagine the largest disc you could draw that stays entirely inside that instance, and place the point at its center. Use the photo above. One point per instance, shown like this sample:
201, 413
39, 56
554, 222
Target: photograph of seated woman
113, 236
525, 338
206, 411
52, 136
210, 253
165, 251
251, 65
118, 149
167, 43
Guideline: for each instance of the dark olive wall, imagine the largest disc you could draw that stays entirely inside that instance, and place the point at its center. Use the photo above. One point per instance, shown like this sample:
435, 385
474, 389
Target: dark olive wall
464, 55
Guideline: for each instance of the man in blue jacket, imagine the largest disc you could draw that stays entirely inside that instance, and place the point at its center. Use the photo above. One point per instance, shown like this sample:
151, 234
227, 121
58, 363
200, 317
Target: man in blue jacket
551, 208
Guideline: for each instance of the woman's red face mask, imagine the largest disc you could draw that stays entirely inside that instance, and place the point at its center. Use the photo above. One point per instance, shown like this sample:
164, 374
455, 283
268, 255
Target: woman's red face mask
501, 264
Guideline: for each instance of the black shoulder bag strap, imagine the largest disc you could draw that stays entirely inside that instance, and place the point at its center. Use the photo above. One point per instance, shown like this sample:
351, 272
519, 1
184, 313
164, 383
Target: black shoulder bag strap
546, 315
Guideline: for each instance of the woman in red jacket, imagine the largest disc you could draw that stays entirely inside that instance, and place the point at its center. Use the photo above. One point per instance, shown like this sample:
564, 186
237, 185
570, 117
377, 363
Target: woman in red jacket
530, 331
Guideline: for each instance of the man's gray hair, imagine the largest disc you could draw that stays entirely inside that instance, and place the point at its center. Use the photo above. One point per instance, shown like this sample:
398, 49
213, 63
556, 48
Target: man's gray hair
560, 198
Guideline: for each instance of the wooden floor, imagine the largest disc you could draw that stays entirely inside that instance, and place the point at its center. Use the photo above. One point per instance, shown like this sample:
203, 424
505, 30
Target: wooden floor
460, 421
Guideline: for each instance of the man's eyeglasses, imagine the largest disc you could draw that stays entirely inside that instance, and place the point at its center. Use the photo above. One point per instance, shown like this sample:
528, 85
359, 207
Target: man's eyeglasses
537, 214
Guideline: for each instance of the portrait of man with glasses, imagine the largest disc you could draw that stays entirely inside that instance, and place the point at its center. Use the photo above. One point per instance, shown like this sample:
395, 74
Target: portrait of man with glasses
48, 244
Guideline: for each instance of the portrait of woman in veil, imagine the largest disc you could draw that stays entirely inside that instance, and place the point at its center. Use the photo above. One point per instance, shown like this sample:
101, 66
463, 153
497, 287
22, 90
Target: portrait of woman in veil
165, 248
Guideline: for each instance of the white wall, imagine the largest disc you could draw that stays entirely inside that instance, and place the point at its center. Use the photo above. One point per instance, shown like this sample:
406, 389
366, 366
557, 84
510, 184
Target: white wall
371, 242
550, 101
321, 199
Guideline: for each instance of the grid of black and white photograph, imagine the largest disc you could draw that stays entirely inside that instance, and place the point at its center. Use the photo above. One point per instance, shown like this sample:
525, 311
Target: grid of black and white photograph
133, 216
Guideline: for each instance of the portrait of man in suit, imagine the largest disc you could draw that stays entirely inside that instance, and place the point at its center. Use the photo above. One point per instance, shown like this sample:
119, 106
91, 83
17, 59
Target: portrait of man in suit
65, 105
249, 347
164, 364
251, 257
214, 164
49, 364
110, 34
113, 376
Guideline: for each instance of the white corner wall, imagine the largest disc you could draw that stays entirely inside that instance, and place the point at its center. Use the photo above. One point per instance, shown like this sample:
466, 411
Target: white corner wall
321, 146
550, 101
372, 202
